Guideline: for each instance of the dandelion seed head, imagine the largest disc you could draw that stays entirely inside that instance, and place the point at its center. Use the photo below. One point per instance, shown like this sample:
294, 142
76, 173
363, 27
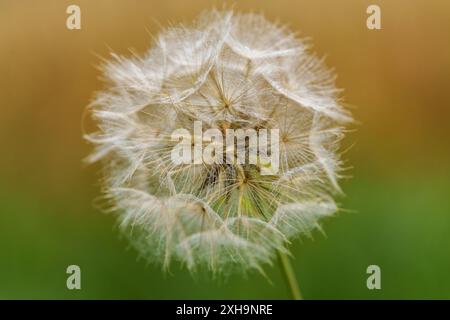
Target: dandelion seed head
227, 70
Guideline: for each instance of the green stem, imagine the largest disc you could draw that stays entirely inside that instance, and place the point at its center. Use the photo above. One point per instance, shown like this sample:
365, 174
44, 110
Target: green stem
289, 276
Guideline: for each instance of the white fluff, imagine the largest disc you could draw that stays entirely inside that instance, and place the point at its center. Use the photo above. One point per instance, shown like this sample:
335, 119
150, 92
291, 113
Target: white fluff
229, 71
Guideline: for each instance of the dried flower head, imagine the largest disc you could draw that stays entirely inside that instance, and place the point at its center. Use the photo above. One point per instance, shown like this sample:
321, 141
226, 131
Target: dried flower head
227, 70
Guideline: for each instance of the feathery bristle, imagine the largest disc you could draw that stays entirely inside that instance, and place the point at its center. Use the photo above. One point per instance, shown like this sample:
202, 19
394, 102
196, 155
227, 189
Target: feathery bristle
227, 70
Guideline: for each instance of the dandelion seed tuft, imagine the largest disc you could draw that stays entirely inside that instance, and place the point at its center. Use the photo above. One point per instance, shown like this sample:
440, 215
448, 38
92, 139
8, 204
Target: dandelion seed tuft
226, 70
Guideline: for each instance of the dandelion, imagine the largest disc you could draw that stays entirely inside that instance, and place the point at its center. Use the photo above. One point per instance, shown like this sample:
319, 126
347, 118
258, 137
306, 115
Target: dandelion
229, 71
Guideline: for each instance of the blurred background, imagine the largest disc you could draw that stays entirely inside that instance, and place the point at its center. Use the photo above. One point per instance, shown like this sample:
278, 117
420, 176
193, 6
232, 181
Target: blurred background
398, 198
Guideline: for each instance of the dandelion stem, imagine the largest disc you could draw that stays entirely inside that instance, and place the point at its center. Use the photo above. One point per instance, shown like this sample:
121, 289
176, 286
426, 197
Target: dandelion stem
289, 276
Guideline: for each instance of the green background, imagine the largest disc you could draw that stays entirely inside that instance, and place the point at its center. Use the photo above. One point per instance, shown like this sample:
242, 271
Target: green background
396, 208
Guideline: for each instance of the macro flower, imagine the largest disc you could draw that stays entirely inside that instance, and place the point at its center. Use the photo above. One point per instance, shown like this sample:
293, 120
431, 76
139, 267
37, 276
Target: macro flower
229, 71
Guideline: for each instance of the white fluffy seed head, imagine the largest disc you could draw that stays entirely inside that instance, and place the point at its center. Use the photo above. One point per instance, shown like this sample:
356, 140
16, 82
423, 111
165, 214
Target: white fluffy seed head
228, 71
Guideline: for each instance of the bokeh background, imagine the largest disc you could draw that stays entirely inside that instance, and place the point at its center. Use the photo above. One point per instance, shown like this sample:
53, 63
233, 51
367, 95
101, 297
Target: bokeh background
398, 199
